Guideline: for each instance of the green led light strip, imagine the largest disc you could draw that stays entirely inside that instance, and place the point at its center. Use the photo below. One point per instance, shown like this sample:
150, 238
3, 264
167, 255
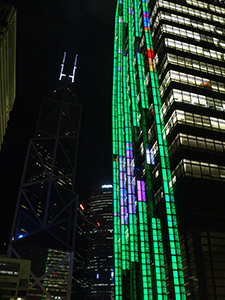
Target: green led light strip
160, 276
116, 194
144, 242
131, 56
143, 88
130, 194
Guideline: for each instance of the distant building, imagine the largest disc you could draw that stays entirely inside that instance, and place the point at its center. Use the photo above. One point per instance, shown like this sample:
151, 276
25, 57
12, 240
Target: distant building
83, 227
14, 278
100, 272
57, 280
7, 64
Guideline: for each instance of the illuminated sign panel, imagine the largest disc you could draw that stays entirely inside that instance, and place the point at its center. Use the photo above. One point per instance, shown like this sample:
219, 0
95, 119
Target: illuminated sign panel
107, 186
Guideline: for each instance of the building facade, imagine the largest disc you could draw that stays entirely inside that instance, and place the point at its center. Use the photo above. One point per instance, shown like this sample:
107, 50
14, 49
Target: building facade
100, 272
14, 278
7, 64
168, 139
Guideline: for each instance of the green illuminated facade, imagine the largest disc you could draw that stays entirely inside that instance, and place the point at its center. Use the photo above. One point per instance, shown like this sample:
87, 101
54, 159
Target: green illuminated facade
168, 128
148, 262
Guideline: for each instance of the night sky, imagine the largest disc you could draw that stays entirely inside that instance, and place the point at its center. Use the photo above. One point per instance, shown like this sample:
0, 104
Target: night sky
45, 29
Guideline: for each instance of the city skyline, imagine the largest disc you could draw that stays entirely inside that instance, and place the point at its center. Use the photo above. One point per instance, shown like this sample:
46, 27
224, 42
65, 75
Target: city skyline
161, 150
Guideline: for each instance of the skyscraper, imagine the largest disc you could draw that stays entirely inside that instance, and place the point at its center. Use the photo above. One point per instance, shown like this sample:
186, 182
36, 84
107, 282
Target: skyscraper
100, 273
168, 139
45, 218
7, 64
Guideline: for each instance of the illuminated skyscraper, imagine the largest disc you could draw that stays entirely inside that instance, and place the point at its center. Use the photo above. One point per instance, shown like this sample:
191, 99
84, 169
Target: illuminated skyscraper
168, 143
7, 64
100, 272
45, 219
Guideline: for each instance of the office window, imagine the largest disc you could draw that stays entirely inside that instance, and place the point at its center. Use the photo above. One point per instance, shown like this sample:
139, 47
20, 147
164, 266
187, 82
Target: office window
199, 169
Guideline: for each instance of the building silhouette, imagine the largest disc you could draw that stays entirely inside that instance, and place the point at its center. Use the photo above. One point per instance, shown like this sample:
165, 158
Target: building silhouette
44, 225
168, 149
100, 272
7, 64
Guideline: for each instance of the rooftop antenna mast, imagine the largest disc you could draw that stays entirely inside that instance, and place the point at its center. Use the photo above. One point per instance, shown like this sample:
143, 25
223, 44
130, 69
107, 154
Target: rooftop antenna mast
74, 68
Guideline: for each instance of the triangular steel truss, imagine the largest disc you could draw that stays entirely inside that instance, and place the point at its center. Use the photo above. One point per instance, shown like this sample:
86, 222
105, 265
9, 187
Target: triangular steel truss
45, 216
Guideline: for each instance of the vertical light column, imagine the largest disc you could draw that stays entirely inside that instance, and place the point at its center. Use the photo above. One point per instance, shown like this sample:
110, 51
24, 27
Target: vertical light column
160, 280
144, 250
174, 245
133, 249
144, 242
117, 241
143, 88
115, 89
122, 160
160, 275
123, 214
156, 243
116, 192
137, 18
125, 6
131, 56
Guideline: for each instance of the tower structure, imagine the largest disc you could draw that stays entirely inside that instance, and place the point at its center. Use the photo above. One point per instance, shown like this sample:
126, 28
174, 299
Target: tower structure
100, 272
7, 64
168, 135
45, 218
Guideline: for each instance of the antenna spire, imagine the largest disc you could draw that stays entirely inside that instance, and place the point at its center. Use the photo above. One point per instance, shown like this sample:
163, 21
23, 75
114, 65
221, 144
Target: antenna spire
74, 68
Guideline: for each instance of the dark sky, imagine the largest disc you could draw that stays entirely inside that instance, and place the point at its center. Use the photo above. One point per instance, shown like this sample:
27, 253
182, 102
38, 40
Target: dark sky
45, 29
